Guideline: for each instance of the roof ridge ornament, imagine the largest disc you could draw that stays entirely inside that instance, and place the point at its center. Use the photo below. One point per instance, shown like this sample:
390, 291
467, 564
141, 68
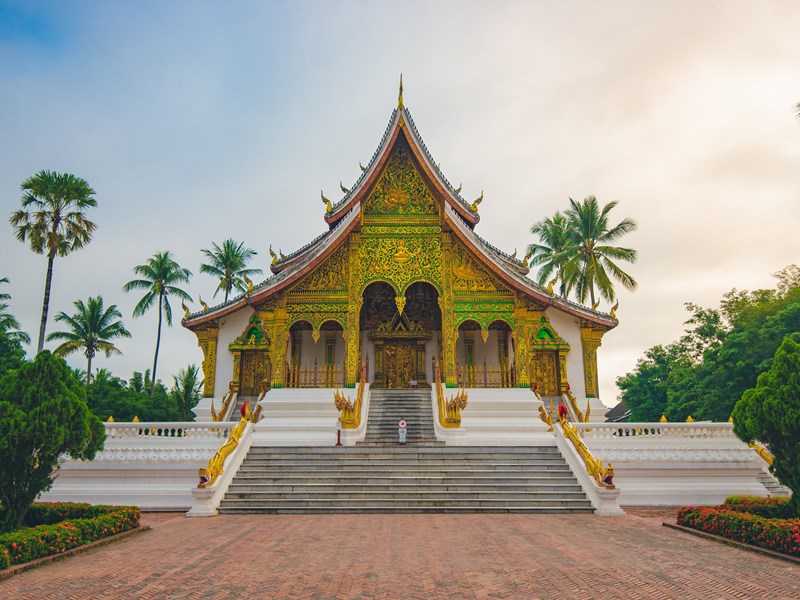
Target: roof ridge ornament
400, 104
478, 200
344, 189
328, 205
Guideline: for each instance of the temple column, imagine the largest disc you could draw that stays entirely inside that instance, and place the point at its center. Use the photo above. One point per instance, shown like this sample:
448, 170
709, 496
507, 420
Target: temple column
590, 342
207, 340
280, 335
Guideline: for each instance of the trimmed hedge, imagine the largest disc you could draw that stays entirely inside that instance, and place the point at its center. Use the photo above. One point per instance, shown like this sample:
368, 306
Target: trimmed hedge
57, 527
749, 520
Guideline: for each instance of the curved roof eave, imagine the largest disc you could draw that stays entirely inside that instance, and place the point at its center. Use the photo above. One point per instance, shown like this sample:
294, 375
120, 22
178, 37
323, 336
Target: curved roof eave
521, 283
281, 280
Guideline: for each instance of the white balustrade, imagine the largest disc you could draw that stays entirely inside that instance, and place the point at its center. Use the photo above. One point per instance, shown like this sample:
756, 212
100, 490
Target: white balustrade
666, 431
164, 430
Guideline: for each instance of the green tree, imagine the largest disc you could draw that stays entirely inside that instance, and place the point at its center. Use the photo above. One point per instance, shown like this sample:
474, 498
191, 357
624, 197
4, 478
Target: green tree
53, 221
91, 329
12, 356
228, 263
158, 277
770, 413
43, 416
186, 391
8, 324
549, 255
110, 396
590, 257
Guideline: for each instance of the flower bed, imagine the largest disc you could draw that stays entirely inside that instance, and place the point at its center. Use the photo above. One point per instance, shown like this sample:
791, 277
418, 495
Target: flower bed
53, 528
765, 522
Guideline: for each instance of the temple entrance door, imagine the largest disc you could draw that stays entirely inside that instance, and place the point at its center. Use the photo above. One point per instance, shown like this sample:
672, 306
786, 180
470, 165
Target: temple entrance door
400, 363
254, 370
545, 372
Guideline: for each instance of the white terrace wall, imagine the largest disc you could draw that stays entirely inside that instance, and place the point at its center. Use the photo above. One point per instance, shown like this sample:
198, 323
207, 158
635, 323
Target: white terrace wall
670, 464
150, 465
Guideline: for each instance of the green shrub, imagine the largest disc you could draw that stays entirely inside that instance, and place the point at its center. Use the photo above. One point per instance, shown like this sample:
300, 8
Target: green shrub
64, 525
781, 535
776, 507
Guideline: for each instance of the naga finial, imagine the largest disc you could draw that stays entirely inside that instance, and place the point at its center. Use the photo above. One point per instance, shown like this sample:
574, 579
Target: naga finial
282, 255
273, 255
249, 283
595, 305
551, 284
185, 310
478, 200
203, 304
528, 255
400, 104
344, 189
514, 255
328, 205
613, 313
362, 167
458, 189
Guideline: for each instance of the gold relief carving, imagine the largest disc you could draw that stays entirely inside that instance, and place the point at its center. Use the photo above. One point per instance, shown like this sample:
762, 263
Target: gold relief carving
330, 275
400, 189
400, 358
400, 230
467, 275
400, 301
591, 339
544, 372
402, 255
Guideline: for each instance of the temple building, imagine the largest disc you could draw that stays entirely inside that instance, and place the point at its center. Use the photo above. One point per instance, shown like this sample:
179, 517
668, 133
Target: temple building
400, 285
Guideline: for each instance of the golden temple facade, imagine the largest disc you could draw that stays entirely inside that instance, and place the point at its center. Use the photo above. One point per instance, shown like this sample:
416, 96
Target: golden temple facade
398, 285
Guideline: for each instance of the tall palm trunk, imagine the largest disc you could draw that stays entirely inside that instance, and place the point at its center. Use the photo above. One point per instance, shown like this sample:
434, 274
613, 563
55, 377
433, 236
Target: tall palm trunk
158, 340
46, 304
89, 370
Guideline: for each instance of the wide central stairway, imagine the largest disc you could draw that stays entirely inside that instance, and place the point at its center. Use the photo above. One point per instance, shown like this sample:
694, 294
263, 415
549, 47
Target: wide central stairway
378, 475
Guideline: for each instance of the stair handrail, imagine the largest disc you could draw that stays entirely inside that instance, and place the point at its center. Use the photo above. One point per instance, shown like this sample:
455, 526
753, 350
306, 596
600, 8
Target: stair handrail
216, 465
762, 451
603, 476
255, 416
576, 411
350, 412
224, 411
449, 408
544, 414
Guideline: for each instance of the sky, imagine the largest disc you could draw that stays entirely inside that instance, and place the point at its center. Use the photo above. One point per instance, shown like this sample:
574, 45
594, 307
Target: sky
200, 121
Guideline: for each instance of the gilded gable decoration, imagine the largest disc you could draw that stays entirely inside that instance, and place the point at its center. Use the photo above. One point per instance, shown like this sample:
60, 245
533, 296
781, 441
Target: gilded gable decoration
255, 337
400, 190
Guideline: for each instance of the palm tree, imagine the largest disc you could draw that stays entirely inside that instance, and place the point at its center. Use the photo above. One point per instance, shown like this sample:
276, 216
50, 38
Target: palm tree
549, 253
186, 391
589, 255
91, 329
8, 323
159, 274
229, 264
53, 221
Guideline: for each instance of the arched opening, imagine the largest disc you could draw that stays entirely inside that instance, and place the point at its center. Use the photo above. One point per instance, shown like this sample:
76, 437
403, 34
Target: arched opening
401, 339
484, 356
315, 358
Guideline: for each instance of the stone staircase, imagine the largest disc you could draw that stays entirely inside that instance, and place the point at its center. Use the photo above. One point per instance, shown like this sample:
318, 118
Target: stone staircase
387, 407
380, 476
771, 483
405, 479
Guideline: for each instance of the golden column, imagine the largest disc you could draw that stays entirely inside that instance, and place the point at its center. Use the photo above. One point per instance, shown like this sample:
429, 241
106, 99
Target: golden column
590, 341
352, 333
207, 340
449, 329
280, 334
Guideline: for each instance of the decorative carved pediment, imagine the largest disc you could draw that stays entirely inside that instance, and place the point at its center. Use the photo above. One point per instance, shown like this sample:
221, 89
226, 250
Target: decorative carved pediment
254, 337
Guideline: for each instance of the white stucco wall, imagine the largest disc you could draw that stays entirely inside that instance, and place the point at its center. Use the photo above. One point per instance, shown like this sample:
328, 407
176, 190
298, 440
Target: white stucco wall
230, 328
568, 327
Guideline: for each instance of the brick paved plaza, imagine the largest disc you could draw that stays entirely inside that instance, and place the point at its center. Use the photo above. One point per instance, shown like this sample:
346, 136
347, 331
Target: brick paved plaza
410, 556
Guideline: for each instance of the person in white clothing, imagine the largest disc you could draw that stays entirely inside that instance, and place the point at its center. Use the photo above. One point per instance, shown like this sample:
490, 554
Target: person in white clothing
402, 427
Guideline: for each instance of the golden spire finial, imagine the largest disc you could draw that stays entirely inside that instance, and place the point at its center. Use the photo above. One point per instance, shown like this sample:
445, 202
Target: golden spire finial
400, 104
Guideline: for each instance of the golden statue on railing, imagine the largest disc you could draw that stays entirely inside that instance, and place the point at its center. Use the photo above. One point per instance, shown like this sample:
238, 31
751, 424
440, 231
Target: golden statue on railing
449, 408
208, 475
604, 476
350, 411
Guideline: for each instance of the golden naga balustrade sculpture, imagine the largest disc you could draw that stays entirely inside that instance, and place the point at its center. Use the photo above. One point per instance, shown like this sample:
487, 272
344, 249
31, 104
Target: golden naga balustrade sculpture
582, 417
449, 409
604, 476
350, 411
208, 475
218, 416
762, 451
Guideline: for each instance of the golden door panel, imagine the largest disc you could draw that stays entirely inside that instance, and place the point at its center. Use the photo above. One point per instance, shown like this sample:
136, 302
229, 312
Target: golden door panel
254, 370
544, 371
400, 360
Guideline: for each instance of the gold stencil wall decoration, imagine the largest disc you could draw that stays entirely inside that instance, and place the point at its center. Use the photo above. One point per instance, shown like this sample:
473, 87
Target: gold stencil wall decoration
207, 340
401, 262
400, 190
